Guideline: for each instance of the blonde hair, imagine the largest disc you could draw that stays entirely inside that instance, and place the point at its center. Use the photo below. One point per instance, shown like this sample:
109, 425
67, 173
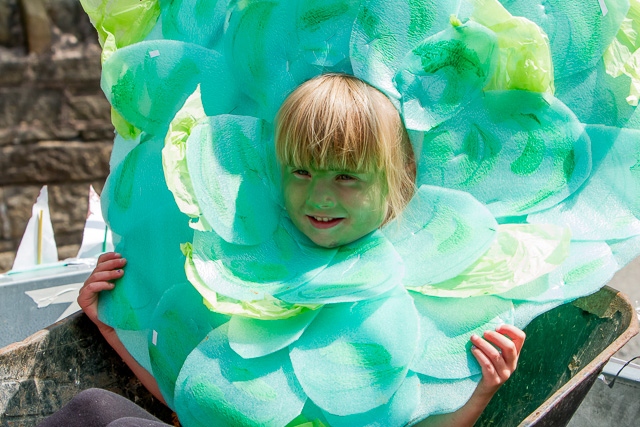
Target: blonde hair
339, 122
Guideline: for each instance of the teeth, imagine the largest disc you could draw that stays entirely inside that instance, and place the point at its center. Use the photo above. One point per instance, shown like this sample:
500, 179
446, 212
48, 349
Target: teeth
322, 219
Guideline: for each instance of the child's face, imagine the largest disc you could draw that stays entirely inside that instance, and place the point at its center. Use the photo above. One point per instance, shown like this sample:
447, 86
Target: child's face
333, 208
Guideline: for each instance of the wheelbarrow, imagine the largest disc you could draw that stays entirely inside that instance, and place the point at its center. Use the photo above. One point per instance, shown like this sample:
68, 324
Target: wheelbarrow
565, 350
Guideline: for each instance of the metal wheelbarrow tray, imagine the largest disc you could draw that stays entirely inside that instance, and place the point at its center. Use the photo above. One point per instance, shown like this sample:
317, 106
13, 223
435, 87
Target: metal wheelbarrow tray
565, 350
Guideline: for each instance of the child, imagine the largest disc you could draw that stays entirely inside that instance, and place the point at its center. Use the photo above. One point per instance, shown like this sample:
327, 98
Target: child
347, 169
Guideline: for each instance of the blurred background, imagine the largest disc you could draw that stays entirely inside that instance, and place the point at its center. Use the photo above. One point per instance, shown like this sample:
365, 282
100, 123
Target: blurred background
55, 126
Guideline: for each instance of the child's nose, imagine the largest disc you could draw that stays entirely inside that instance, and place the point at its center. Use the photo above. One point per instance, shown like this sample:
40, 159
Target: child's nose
321, 195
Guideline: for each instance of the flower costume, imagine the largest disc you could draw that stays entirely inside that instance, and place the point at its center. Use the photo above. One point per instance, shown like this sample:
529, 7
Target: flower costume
527, 146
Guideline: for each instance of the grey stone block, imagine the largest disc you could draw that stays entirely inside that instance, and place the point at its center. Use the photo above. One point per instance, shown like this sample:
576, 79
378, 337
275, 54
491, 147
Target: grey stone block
43, 372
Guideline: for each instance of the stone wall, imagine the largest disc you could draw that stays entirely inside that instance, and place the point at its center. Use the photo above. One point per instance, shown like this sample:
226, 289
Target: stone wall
55, 124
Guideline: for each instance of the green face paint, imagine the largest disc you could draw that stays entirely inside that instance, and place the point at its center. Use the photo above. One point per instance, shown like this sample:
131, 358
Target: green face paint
333, 208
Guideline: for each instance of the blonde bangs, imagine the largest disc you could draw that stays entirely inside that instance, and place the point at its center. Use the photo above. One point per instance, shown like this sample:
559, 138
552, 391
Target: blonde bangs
328, 126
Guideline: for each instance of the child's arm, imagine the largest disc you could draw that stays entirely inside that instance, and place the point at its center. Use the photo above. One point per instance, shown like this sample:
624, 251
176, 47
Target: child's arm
109, 268
497, 366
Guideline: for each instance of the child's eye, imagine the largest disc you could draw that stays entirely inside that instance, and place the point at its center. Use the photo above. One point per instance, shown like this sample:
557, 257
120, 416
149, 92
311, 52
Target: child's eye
301, 172
345, 177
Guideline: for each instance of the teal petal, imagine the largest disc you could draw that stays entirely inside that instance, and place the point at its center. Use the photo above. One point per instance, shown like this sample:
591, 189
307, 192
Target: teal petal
446, 325
257, 43
323, 30
607, 206
177, 330
595, 97
439, 234
354, 356
439, 396
625, 250
121, 148
526, 311
579, 32
397, 412
148, 238
360, 270
225, 161
530, 140
252, 338
148, 82
137, 345
385, 31
194, 21
248, 273
445, 73
233, 391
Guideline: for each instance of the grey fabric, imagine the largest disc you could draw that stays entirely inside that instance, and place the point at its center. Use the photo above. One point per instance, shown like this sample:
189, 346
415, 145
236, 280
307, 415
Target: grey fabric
135, 422
101, 408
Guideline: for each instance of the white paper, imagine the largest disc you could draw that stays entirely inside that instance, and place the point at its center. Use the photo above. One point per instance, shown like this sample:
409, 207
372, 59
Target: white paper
64, 294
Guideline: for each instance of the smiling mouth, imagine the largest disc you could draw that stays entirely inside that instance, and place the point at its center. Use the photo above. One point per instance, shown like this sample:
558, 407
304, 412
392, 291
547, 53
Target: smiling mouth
323, 222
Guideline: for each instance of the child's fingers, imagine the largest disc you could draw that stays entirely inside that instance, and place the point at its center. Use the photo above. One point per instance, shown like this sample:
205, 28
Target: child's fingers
491, 353
104, 276
110, 264
515, 334
96, 287
507, 348
489, 375
107, 256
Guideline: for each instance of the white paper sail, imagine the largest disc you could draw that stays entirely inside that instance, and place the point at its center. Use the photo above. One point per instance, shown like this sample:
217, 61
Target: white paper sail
97, 236
38, 246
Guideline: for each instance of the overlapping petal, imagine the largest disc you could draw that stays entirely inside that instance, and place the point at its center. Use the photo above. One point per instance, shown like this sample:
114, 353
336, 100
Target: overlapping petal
528, 139
614, 183
446, 325
520, 254
234, 391
229, 178
449, 228
351, 346
359, 270
177, 330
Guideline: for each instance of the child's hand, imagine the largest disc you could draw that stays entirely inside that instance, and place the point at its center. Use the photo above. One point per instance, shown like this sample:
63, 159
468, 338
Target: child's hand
498, 361
109, 268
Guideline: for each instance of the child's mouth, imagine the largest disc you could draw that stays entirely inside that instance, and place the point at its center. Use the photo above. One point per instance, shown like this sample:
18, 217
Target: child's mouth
323, 221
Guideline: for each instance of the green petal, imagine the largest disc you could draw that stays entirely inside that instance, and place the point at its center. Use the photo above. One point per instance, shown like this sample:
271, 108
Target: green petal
590, 266
445, 73
233, 391
354, 356
579, 32
225, 159
385, 31
607, 206
530, 140
524, 61
126, 21
268, 308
